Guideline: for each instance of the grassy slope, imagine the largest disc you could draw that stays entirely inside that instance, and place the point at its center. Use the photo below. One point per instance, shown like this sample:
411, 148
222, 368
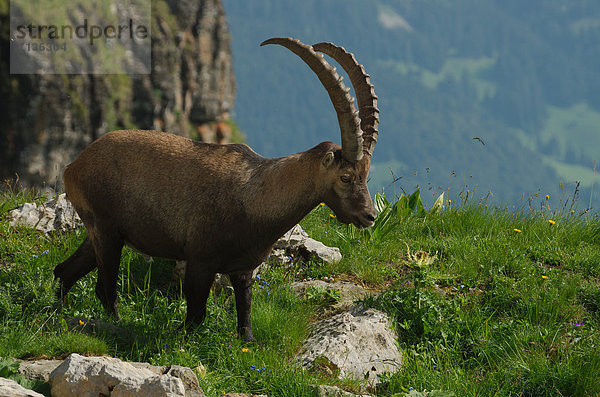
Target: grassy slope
480, 308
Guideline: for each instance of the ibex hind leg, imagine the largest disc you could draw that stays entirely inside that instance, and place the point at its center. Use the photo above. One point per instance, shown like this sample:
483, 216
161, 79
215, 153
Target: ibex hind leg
242, 286
107, 246
75, 267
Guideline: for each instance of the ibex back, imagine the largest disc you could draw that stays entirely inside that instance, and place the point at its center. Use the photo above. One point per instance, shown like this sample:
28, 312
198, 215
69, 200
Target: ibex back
218, 207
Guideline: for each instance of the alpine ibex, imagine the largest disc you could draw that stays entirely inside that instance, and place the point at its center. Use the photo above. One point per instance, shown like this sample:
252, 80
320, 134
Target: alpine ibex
218, 207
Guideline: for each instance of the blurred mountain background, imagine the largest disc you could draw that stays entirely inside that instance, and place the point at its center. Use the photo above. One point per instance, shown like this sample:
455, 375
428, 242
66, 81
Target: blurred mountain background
522, 77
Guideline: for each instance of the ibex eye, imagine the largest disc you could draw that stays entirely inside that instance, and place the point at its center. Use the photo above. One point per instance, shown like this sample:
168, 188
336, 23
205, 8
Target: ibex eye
345, 178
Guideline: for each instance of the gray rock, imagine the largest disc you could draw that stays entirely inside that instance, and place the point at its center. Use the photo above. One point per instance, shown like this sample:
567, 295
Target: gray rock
358, 343
10, 388
334, 391
348, 292
297, 243
187, 376
56, 214
39, 369
93, 376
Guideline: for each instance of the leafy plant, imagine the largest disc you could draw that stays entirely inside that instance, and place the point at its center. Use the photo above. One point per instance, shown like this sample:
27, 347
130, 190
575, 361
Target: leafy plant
322, 295
9, 369
388, 216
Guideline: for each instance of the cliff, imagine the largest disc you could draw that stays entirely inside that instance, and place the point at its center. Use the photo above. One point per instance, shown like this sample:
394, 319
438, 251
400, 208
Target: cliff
47, 119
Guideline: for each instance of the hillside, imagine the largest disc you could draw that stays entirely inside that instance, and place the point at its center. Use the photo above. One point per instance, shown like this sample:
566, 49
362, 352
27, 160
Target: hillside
522, 77
484, 302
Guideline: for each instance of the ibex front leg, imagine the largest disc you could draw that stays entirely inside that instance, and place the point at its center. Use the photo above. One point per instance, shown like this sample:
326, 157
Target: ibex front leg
196, 287
242, 286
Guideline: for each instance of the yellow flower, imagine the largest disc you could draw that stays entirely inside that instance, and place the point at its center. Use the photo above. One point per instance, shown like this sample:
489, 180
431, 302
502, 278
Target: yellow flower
81, 322
322, 204
517, 230
547, 196
245, 350
550, 221
331, 216
544, 277
449, 201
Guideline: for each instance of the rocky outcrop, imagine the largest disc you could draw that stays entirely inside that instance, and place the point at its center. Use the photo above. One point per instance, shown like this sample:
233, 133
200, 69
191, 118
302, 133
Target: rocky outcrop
94, 376
47, 119
56, 214
358, 343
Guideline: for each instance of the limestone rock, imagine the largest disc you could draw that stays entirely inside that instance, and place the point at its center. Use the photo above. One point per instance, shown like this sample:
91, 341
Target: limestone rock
93, 376
38, 369
297, 243
10, 388
358, 343
56, 214
334, 391
49, 118
187, 376
348, 292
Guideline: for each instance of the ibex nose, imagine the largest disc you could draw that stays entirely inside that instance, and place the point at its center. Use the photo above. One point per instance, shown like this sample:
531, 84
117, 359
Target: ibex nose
370, 217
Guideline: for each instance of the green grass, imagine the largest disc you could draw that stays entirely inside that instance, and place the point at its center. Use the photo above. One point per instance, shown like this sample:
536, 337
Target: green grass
479, 308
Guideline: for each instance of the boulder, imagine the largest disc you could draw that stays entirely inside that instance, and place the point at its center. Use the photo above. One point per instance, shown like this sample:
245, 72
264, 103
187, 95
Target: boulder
93, 376
38, 369
358, 343
56, 214
10, 388
296, 243
348, 292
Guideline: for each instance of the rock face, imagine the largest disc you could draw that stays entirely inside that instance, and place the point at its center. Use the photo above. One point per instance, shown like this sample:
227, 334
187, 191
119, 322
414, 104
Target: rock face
94, 376
56, 214
358, 343
10, 388
48, 119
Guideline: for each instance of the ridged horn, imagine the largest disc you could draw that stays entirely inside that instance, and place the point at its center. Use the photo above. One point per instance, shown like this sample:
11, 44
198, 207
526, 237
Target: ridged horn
365, 92
343, 103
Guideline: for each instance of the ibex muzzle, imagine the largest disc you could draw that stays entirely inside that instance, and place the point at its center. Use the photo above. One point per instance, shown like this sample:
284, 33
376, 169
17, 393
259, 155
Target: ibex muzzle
219, 207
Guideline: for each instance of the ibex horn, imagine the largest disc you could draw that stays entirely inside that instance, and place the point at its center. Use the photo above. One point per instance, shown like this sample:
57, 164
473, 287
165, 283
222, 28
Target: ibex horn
352, 140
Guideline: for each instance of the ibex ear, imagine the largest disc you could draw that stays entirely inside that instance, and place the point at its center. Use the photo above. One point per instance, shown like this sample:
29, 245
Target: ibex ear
328, 159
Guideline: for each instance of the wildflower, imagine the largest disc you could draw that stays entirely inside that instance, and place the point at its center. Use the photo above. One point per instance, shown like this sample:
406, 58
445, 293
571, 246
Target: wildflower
34, 256
45, 252
551, 222
81, 322
245, 350
544, 277
517, 230
547, 196
449, 201
322, 204
580, 324
331, 216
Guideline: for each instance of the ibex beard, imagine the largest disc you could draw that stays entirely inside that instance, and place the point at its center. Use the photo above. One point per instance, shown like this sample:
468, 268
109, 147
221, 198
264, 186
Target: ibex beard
218, 207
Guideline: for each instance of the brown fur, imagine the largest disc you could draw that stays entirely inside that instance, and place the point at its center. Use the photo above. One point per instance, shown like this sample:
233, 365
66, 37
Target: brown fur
219, 207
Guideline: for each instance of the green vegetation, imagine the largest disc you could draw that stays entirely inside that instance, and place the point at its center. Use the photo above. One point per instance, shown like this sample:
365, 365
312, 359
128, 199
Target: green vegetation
486, 302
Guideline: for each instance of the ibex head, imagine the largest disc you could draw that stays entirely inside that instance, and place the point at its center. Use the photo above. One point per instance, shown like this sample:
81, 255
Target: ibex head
344, 170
